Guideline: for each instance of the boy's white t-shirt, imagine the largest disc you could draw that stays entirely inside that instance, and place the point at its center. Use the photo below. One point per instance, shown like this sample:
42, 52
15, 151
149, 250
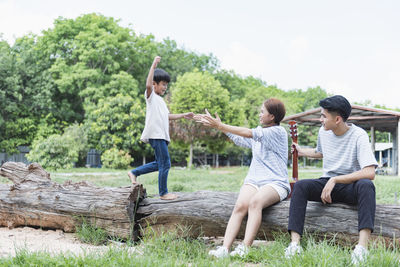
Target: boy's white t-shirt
157, 121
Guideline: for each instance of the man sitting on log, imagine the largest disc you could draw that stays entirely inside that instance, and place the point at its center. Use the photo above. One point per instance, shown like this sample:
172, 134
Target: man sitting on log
348, 168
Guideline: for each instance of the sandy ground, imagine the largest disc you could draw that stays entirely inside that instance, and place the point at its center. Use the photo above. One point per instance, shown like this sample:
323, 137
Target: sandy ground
52, 241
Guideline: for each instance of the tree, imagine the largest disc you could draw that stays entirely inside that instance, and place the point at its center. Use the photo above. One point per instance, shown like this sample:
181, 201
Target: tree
23, 92
196, 91
117, 121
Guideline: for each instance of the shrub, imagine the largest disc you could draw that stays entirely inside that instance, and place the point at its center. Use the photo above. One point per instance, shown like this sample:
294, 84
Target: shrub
60, 151
116, 159
53, 153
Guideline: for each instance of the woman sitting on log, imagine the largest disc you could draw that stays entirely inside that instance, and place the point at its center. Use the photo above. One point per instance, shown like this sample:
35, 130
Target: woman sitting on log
267, 180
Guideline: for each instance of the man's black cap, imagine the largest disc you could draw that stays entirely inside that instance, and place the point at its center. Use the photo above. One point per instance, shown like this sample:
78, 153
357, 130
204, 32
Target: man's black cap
337, 103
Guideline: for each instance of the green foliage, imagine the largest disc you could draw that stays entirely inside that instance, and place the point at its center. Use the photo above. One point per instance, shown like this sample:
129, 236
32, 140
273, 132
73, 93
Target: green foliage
53, 153
196, 91
236, 84
116, 159
116, 121
60, 151
92, 71
23, 96
179, 61
255, 97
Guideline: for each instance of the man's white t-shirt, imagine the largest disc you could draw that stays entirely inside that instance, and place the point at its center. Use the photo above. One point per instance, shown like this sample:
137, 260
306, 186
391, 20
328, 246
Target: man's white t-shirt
346, 153
157, 121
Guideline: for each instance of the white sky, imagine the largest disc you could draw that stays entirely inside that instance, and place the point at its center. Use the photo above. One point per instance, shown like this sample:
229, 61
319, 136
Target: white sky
348, 47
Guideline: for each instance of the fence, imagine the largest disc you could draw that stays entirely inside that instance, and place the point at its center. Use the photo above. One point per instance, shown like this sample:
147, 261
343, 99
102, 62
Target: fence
17, 157
93, 159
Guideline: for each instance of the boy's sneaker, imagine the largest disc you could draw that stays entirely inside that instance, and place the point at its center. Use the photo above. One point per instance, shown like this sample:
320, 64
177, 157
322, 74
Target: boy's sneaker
241, 250
359, 255
292, 250
220, 252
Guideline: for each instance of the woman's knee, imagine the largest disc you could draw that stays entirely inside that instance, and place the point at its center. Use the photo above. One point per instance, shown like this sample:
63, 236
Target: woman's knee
255, 204
241, 208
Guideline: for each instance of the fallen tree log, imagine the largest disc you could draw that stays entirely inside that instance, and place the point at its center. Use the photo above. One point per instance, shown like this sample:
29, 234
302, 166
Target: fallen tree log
34, 200
207, 213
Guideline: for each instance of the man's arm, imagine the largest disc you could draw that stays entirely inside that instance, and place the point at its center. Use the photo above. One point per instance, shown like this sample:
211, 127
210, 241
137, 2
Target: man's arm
188, 116
149, 81
307, 152
365, 173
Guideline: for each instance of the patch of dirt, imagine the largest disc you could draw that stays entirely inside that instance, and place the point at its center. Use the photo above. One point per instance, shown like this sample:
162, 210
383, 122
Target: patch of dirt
51, 241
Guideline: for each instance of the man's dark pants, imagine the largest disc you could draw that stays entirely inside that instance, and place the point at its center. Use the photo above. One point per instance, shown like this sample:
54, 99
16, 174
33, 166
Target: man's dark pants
360, 193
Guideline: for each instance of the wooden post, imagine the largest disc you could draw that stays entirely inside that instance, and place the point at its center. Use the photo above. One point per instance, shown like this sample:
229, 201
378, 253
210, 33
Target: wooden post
372, 131
397, 148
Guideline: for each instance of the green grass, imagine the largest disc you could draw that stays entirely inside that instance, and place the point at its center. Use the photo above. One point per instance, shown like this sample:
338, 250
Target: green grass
221, 179
168, 249
88, 233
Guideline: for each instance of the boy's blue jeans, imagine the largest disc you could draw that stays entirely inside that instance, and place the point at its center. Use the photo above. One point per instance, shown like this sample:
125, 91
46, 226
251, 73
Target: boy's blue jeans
162, 164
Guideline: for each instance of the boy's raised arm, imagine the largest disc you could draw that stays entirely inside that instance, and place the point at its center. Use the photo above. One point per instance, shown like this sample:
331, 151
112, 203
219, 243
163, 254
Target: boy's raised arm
149, 81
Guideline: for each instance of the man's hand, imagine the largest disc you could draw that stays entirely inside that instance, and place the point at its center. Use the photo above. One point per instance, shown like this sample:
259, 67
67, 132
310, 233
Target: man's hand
326, 192
298, 148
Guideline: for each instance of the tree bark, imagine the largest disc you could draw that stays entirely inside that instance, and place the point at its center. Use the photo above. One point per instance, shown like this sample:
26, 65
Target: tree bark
190, 160
35, 200
207, 213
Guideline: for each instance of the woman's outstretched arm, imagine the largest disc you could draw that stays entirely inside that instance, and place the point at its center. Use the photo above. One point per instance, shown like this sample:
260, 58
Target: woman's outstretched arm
208, 120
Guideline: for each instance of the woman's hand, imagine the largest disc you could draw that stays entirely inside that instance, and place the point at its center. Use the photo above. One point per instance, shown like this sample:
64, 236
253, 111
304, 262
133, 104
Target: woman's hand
208, 120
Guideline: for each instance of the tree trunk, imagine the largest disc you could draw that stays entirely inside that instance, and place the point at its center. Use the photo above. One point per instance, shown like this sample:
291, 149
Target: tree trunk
35, 200
217, 160
190, 161
207, 213
144, 159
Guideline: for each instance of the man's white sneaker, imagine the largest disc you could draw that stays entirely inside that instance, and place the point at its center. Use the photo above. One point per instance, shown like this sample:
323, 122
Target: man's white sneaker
241, 250
359, 255
220, 252
292, 250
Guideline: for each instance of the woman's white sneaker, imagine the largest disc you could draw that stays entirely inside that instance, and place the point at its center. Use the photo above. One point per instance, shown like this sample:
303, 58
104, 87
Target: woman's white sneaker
220, 252
241, 250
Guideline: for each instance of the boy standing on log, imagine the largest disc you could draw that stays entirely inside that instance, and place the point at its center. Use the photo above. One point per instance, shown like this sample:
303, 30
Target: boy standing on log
156, 130
348, 168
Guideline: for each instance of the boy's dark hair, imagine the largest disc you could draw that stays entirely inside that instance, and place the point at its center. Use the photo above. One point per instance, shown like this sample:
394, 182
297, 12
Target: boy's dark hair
275, 107
161, 75
338, 104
